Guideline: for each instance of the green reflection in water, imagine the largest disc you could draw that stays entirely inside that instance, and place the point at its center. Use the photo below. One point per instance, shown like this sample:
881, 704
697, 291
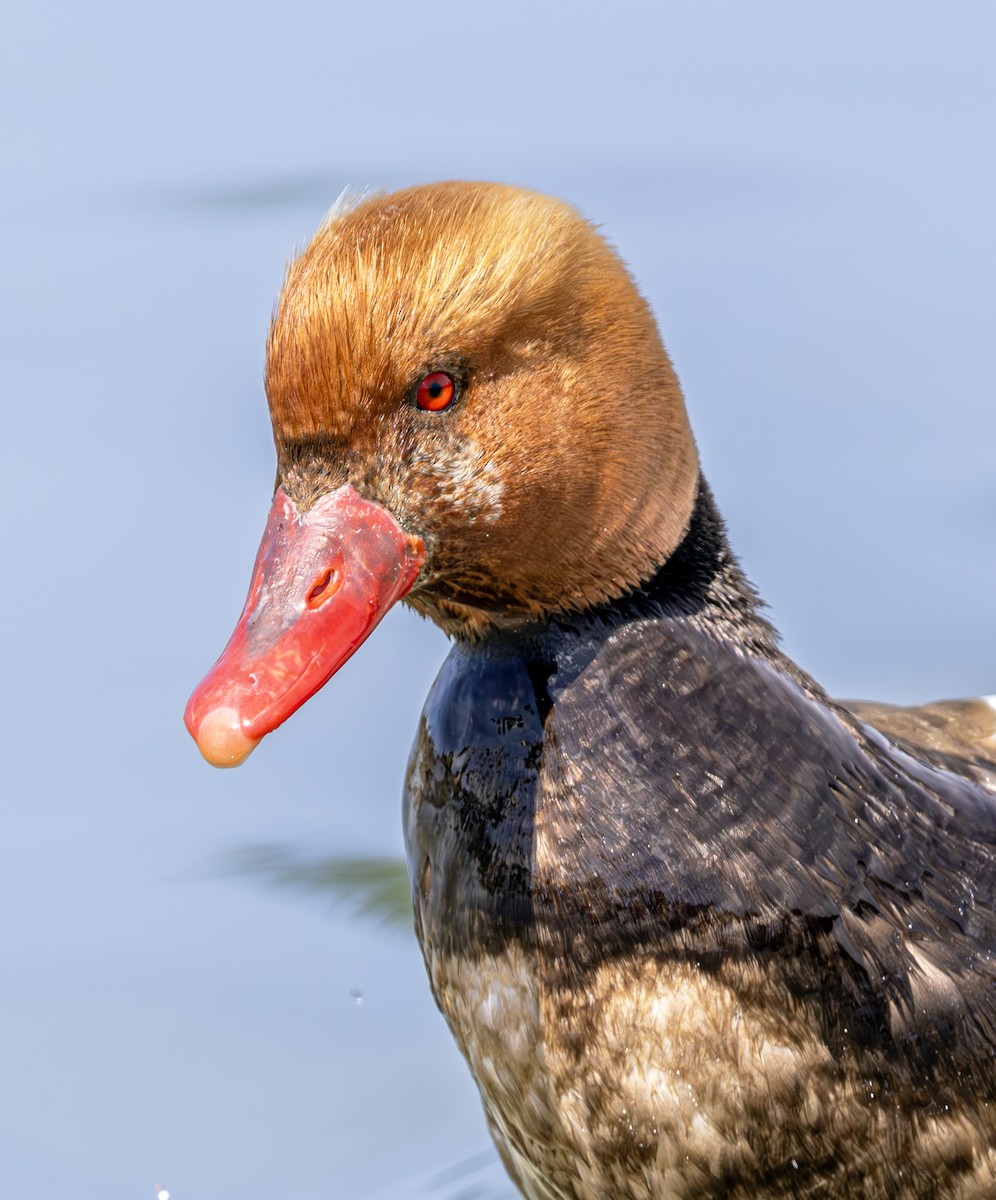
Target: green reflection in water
374, 887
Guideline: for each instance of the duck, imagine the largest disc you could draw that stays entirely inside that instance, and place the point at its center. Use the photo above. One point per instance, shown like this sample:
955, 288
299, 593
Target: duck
699, 930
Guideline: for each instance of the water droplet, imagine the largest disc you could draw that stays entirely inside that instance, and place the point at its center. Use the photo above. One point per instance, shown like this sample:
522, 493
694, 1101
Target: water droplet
357, 997
795, 1165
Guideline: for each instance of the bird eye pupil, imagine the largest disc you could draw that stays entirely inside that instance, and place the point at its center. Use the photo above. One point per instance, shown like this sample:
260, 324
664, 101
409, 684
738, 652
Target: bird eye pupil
436, 392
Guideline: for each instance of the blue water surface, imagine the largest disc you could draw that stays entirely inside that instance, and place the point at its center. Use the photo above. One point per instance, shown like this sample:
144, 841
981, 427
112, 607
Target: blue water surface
191, 1004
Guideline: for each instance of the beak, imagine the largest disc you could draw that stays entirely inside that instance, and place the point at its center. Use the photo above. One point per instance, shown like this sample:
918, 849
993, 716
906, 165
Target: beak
322, 580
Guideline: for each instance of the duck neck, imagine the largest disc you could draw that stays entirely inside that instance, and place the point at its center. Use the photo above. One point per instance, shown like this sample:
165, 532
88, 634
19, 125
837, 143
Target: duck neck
701, 582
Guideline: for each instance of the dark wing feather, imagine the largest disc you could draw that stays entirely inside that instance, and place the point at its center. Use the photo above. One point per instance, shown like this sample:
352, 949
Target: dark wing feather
690, 778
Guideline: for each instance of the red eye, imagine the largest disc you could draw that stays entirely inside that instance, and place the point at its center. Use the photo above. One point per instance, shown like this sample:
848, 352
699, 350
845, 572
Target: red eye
436, 392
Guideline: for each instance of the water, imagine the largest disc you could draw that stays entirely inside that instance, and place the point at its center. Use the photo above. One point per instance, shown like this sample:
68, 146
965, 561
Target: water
807, 200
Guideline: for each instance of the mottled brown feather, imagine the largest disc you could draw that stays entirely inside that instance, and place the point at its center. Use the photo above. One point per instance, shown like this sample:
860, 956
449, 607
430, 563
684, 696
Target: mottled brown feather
959, 734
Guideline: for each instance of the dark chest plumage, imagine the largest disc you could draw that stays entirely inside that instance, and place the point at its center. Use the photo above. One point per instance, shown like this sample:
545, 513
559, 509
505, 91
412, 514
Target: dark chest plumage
698, 932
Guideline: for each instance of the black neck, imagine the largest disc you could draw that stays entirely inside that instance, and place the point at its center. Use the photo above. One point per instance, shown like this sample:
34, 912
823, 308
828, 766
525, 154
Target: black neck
701, 580
701, 583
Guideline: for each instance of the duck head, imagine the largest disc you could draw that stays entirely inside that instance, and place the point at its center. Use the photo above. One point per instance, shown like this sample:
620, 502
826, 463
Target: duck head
473, 410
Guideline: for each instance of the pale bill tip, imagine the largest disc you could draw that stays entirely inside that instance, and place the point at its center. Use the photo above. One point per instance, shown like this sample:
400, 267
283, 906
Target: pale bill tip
221, 739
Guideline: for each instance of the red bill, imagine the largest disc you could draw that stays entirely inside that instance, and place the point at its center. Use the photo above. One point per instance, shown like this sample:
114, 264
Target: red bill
322, 581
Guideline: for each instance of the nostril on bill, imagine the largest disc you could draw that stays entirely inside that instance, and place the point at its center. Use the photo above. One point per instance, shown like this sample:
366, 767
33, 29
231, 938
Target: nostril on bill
324, 586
